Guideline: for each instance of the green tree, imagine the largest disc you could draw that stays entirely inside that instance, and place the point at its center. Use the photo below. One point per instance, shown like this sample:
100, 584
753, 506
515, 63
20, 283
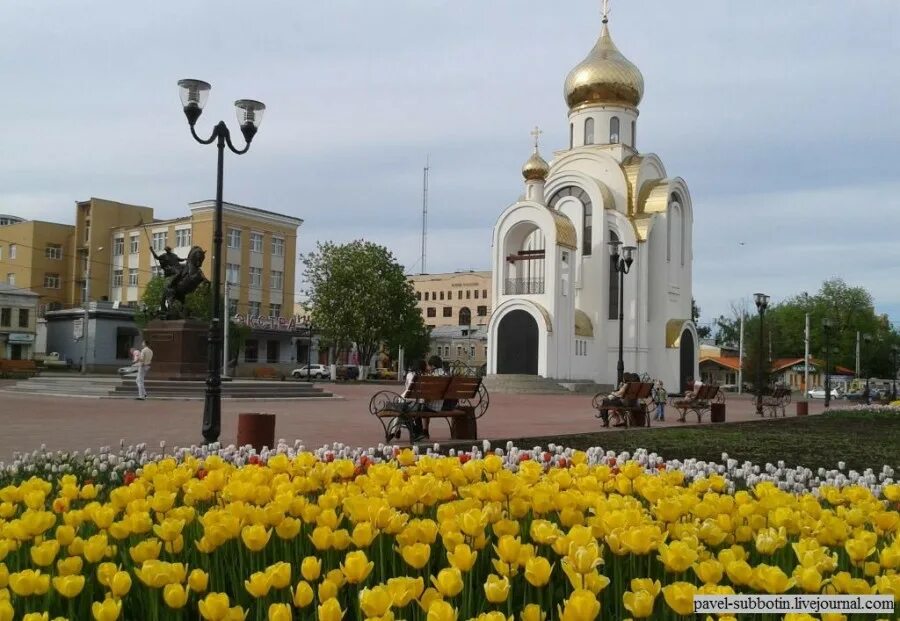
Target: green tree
703, 332
359, 294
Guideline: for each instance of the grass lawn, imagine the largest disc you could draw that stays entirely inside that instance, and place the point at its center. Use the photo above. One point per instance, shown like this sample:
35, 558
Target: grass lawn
862, 439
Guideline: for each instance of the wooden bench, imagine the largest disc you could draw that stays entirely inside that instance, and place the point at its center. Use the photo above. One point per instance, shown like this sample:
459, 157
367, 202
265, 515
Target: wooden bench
18, 368
699, 402
635, 408
779, 399
467, 396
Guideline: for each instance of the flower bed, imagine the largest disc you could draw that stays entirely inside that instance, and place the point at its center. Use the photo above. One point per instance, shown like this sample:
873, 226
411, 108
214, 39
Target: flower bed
388, 533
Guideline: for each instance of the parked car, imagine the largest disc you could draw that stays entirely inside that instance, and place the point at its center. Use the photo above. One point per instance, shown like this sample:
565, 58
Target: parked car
318, 371
819, 393
131, 369
347, 372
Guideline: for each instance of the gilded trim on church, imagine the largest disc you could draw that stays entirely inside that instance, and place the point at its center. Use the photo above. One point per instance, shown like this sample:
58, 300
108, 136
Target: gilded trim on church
565, 230
583, 324
674, 330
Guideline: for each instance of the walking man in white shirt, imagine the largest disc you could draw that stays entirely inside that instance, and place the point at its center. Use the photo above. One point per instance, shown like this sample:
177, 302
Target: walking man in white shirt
144, 361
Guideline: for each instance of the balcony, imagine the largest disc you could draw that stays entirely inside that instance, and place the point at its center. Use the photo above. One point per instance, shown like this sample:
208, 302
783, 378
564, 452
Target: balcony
524, 286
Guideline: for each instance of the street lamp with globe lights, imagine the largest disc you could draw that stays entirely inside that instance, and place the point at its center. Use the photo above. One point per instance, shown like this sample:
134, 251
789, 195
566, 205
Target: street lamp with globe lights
194, 94
762, 303
622, 265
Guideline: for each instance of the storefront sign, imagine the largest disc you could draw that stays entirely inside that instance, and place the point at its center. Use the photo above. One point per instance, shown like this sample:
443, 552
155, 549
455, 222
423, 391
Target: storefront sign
78, 329
19, 337
278, 324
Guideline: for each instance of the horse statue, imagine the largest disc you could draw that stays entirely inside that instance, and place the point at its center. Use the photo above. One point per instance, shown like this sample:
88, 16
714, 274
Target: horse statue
181, 281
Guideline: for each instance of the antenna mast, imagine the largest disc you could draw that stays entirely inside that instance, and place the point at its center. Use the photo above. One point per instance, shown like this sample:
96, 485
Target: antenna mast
425, 213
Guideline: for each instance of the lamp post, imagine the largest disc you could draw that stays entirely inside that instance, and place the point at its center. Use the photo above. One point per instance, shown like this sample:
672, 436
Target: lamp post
827, 325
867, 339
249, 114
894, 350
307, 321
622, 265
762, 303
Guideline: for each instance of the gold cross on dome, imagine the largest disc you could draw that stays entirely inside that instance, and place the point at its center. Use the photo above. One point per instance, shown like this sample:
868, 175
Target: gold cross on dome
536, 134
605, 11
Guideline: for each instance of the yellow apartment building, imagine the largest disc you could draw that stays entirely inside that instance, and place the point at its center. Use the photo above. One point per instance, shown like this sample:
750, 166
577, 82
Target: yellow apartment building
454, 299
37, 256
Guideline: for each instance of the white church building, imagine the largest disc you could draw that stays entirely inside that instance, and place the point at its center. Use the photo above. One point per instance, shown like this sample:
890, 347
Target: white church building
556, 292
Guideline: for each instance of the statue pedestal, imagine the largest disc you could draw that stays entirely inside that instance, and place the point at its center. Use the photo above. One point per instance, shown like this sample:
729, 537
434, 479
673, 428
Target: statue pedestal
179, 349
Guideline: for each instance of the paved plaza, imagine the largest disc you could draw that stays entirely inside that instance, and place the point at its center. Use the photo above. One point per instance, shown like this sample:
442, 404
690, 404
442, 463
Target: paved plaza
27, 421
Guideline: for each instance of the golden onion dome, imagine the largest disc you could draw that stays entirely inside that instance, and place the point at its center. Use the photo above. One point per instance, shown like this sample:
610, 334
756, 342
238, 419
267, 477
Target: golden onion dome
535, 168
604, 77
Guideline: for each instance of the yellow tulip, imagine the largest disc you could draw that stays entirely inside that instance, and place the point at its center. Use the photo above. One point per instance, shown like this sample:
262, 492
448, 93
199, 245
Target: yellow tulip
375, 602
45, 553
280, 612
29, 582
327, 590
538, 571
175, 596
120, 584
582, 605
68, 586
404, 589
858, 550
36, 616
496, 589
280, 573
214, 607
416, 555
653, 587
639, 603
322, 537
107, 610
302, 594
330, 610
364, 534
709, 571
288, 528
259, 584
255, 537
507, 549
236, 613
69, 566
65, 534
532, 612
95, 548
146, 550
198, 581
448, 581
770, 579
6, 610
739, 572
356, 567
680, 597
462, 557
677, 556
311, 568
441, 611
105, 572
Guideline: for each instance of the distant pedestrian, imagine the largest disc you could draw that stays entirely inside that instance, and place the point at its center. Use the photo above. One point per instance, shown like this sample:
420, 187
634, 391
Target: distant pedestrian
145, 359
659, 396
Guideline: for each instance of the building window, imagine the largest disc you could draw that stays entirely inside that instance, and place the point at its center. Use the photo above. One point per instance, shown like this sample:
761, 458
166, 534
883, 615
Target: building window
159, 241
51, 281
254, 309
5, 317
431, 312
133, 244
614, 130
256, 242
613, 283
459, 294
274, 310
118, 246
272, 351
459, 351
183, 238
255, 277
23, 317
587, 231
11, 279
234, 238
442, 295
419, 296
634, 135
132, 277
53, 251
232, 307
277, 247
12, 251
449, 295
155, 271
426, 296
571, 135
448, 312
277, 279
482, 311
476, 294
472, 351
1, 253
251, 351
465, 317
589, 131
124, 341
484, 293
468, 294
233, 273
117, 278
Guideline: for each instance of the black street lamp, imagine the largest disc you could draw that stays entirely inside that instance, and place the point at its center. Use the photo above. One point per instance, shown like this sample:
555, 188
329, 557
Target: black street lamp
827, 325
894, 351
622, 265
249, 114
762, 303
867, 339
307, 321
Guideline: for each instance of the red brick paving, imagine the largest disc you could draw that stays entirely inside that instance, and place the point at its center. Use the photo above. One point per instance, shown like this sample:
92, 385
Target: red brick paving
27, 421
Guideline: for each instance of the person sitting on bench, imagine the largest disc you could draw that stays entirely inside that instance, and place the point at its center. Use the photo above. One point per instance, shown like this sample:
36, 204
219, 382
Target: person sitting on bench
413, 423
616, 399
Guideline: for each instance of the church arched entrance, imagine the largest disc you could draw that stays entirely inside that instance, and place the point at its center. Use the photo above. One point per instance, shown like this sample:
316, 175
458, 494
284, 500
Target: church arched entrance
517, 347
687, 360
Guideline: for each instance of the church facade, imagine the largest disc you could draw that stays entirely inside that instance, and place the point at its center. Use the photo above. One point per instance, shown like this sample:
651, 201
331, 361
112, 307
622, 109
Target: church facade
555, 287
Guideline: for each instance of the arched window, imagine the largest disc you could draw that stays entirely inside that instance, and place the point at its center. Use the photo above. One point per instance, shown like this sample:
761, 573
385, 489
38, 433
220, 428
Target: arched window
613, 283
587, 238
614, 130
571, 135
465, 317
634, 134
589, 131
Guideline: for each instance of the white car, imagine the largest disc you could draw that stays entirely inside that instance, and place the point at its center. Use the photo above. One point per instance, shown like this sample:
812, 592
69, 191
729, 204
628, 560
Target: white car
318, 371
819, 393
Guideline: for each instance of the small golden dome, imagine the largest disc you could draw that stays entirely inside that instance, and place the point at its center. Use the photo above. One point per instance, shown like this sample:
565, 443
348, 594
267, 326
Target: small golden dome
536, 168
604, 77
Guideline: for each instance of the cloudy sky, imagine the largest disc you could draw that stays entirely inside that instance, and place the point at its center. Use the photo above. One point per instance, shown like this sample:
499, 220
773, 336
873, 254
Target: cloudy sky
782, 117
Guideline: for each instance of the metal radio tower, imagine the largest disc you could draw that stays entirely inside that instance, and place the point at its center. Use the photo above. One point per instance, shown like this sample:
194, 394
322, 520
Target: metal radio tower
425, 214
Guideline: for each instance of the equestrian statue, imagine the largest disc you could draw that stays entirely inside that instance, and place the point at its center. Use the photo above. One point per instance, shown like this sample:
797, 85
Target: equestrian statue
183, 277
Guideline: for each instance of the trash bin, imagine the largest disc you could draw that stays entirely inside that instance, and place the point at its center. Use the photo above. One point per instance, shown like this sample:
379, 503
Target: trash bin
802, 408
717, 412
257, 430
